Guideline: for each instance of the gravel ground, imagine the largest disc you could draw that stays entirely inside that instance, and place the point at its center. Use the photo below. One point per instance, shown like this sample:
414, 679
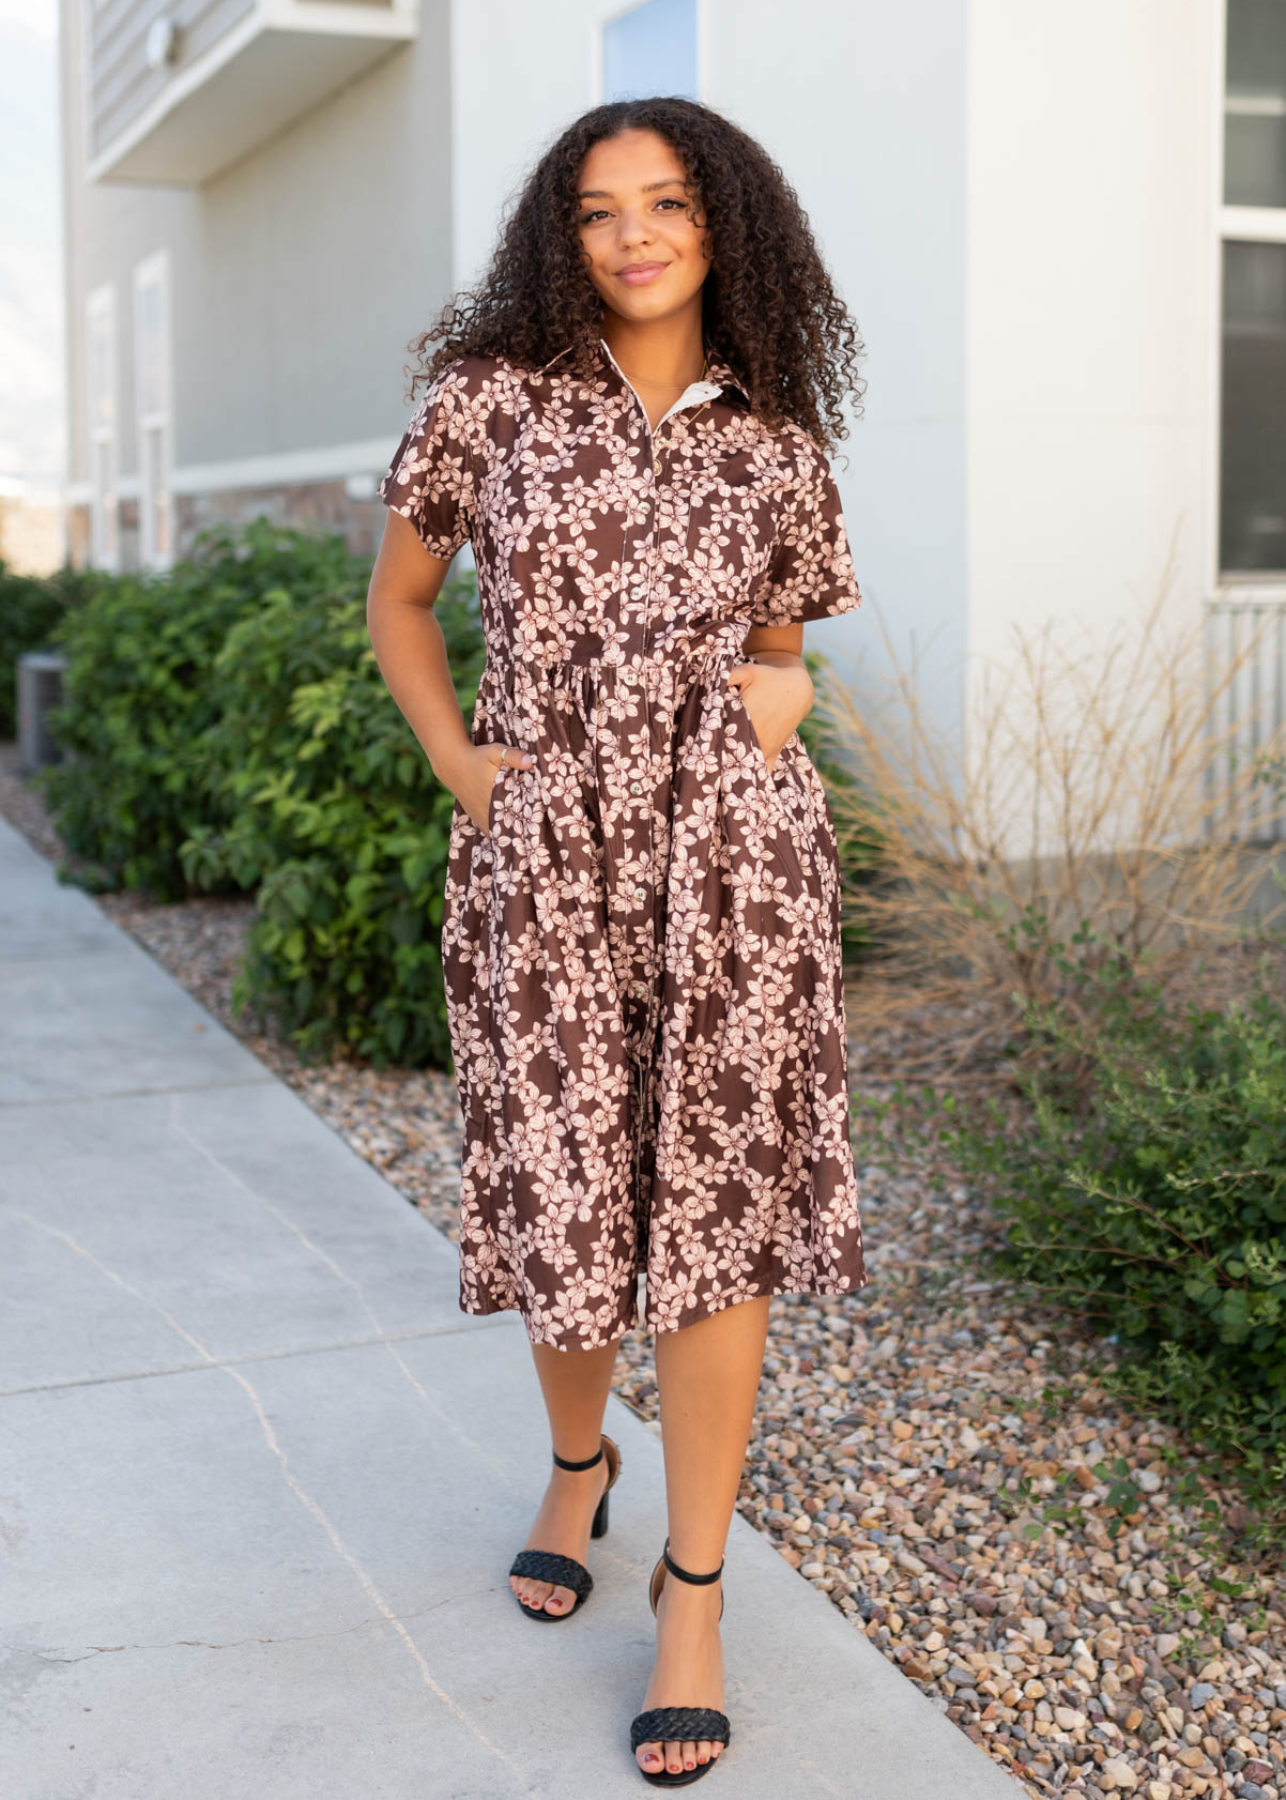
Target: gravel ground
923, 1451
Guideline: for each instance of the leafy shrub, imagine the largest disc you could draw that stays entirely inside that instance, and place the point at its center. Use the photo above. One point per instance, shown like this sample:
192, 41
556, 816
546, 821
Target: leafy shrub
30, 608
140, 694
1149, 1190
329, 810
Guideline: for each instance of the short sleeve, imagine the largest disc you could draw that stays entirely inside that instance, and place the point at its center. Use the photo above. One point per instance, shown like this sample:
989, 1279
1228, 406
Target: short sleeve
810, 573
430, 479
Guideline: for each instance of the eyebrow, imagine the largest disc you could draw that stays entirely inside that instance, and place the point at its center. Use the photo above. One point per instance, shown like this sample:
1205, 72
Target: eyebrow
650, 188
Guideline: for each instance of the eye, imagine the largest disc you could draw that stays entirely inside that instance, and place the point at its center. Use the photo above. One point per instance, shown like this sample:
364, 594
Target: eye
599, 212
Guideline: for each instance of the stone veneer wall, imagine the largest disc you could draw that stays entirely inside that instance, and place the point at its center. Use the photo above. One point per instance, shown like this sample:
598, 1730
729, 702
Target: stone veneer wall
322, 504
30, 535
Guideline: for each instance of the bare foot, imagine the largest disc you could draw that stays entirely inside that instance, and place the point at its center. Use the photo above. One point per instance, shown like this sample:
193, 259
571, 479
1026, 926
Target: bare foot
688, 1670
562, 1525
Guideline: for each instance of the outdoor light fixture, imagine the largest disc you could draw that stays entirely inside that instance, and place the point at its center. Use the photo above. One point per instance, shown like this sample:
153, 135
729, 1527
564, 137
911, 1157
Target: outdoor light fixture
162, 41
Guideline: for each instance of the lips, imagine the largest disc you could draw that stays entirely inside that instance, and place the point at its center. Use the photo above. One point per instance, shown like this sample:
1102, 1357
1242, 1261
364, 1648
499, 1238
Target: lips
633, 273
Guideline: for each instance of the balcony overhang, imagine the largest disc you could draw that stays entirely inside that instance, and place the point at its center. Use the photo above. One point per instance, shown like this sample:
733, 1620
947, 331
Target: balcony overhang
279, 60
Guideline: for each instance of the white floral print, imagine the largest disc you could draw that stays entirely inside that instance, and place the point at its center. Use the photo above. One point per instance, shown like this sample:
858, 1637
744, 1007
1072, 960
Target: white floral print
642, 950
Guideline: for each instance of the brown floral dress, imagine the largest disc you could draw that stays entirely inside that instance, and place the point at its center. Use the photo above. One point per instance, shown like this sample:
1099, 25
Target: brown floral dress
642, 951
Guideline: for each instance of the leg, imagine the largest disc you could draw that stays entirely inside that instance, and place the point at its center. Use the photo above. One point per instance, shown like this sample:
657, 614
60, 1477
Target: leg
575, 1384
708, 1376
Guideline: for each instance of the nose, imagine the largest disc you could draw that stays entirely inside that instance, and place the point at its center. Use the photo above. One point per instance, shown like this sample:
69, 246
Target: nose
632, 226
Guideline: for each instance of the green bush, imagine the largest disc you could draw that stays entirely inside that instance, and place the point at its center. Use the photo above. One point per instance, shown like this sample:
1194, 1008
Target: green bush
30, 608
330, 811
140, 694
1153, 1199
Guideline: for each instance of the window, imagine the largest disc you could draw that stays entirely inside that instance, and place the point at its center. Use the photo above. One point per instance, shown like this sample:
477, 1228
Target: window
152, 407
1252, 475
100, 411
651, 49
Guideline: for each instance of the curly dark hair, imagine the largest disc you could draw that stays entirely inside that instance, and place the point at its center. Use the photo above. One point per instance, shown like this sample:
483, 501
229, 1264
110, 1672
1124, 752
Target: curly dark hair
768, 305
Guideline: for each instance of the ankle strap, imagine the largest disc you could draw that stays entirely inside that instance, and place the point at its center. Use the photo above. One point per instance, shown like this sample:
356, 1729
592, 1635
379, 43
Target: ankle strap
587, 1464
686, 1574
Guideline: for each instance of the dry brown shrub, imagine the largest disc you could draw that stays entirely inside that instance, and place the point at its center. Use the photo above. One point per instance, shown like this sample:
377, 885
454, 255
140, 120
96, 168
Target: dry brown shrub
1109, 818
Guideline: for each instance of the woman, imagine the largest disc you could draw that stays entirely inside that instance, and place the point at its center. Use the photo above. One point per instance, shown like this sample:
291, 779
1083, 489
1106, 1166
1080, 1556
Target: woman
641, 929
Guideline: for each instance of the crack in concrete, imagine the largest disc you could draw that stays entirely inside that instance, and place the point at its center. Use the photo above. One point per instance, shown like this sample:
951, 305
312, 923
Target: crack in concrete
251, 1356
377, 1600
108, 1095
304, 1637
448, 1424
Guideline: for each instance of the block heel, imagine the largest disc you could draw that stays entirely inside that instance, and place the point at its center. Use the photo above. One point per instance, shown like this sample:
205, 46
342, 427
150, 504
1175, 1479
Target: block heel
599, 1526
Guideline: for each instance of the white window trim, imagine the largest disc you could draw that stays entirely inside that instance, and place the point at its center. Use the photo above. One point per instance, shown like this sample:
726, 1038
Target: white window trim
100, 434
154, 271
1255, 224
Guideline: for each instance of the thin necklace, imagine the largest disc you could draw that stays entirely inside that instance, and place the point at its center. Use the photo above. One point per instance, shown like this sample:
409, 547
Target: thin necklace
671, 387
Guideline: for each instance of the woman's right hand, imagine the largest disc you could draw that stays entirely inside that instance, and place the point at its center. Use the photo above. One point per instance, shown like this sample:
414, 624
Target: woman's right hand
481, 772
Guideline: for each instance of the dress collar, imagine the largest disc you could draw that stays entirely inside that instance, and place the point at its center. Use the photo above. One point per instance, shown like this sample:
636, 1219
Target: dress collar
721, 376
722, 373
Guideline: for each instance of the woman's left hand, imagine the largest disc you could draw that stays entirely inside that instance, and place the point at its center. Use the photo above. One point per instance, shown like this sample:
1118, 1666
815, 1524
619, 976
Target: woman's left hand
777, 696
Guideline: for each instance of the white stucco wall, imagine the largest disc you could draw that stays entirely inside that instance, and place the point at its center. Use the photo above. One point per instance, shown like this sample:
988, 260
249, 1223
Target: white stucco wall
333, 239
1090, 317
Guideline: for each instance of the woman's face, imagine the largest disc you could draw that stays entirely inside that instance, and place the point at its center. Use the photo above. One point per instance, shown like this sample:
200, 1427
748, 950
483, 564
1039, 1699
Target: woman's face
634, 215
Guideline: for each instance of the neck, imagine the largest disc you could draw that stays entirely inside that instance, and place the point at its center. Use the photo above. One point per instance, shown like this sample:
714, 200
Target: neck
663, 353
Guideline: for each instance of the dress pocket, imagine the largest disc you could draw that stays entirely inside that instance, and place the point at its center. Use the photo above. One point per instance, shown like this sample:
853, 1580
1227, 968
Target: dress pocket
749, 727
502, 769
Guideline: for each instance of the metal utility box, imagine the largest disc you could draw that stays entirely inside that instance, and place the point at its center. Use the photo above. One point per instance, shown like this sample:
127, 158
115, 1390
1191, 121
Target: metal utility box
40, 686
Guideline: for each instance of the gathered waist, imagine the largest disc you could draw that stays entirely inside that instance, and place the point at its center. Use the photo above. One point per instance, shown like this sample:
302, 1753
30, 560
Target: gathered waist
665, 673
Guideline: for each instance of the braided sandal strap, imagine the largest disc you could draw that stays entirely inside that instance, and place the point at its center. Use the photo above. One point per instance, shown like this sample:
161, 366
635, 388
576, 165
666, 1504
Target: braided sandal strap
679, 1724
547, 1565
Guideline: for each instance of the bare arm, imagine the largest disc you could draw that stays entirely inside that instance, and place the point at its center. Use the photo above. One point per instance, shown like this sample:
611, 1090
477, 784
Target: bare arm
412, 656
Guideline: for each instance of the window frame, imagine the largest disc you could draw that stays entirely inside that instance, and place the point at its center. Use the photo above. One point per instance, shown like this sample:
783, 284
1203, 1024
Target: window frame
102, 437
1232, 224
156, 501
596, 45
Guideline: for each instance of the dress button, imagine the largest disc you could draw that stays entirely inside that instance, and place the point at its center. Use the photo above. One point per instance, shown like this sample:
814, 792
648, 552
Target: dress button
640, 893
638, 593
640, 990
636, 787
630, 677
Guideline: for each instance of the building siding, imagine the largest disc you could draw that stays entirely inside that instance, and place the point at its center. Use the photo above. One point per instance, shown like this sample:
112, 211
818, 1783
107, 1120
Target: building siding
121, 86
298, 277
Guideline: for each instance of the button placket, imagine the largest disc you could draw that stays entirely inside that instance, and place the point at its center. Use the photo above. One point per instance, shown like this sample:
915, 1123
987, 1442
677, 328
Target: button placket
634, 676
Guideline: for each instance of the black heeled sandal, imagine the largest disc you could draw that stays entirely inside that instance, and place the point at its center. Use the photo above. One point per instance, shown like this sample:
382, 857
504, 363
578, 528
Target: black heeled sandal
565, 1571
673, 1724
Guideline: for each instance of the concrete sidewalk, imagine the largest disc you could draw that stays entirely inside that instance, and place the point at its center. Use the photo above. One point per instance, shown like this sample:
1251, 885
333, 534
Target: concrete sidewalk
260, 1479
